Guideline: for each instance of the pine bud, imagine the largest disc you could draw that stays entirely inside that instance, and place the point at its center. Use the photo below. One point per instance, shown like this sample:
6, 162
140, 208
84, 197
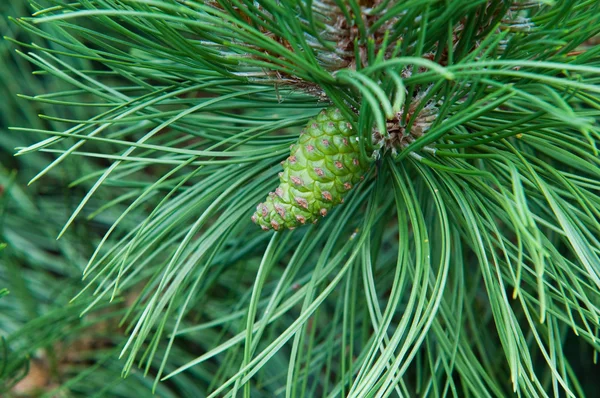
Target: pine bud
323, 166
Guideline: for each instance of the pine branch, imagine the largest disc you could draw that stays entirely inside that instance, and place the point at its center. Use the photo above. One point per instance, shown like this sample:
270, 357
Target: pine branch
465, 259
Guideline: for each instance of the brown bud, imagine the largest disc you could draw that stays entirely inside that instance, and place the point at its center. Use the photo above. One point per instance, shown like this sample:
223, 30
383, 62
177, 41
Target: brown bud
302, 202
281, 210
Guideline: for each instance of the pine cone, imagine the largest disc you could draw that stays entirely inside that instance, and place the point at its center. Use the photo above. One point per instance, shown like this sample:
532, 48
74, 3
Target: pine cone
323, 166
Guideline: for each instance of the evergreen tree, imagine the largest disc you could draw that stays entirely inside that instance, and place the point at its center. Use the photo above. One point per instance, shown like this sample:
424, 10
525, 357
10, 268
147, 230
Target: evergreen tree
426, 172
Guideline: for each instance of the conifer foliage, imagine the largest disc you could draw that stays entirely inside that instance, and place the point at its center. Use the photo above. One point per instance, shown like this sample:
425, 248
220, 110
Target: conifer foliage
448, 148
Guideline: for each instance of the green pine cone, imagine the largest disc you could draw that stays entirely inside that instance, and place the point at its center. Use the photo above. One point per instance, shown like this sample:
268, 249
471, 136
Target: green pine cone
323, 166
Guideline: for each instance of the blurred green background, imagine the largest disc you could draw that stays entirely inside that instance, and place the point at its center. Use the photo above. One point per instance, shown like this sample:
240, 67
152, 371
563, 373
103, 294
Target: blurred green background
46, 348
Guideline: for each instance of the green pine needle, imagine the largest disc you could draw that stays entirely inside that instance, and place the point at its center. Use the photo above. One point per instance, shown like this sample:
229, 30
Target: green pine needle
466, 264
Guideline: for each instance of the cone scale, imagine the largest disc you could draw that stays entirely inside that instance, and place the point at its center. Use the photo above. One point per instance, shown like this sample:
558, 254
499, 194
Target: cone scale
323, 166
